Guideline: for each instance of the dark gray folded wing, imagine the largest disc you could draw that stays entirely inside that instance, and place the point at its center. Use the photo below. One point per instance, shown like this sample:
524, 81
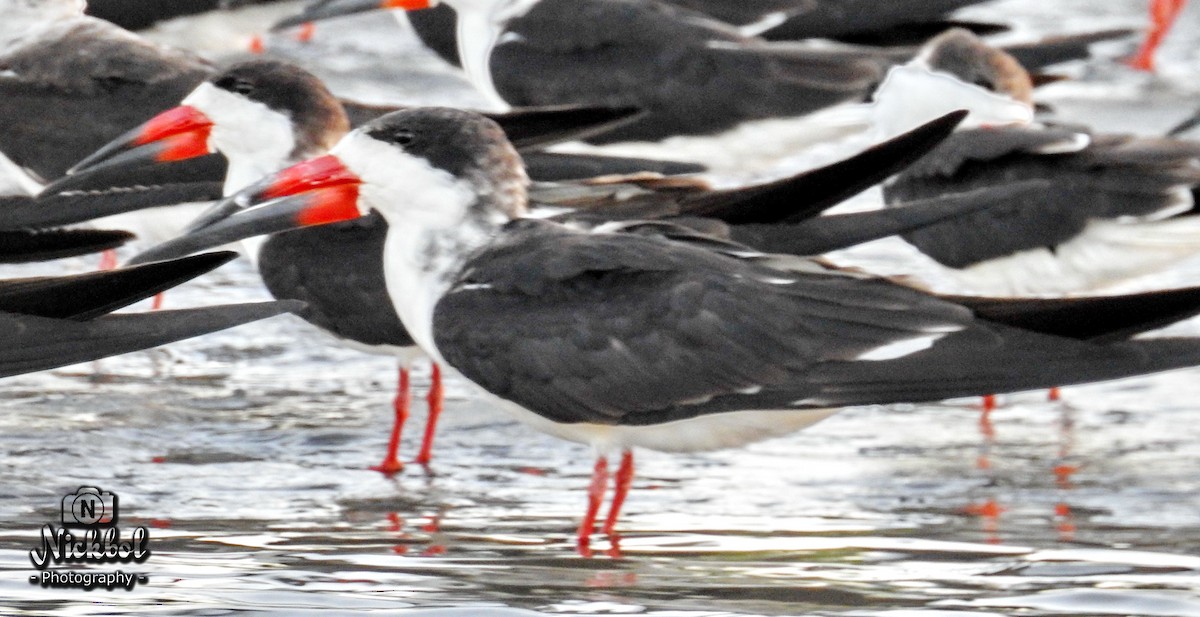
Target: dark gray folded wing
612, 328
21, 212
689, 75
1092, 177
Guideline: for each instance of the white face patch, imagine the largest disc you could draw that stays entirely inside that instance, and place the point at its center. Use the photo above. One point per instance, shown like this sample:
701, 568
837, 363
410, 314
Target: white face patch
256, 139
404, 187
429, 229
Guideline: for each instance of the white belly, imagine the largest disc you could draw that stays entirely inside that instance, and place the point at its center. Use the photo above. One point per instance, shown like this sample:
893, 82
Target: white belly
710, 432
1106, 253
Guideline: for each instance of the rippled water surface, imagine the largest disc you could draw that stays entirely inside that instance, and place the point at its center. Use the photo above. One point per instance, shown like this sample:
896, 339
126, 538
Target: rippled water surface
246, 455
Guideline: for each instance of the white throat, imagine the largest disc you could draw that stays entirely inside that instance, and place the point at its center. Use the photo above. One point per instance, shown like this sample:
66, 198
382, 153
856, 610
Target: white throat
256, 139
430, 231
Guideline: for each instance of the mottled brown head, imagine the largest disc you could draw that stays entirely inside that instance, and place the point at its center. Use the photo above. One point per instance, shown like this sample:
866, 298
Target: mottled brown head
316, 114
964, 55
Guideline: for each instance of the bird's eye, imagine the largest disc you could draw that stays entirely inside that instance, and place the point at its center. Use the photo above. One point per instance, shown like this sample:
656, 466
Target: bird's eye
243, 86
402, 137
236, 84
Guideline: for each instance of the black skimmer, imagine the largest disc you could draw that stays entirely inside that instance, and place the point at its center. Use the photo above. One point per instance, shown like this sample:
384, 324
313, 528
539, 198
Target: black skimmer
55, 321
212, 28
888, 32
623, 340
58, 65
692, 74
262, 115
739, 89
1120, 206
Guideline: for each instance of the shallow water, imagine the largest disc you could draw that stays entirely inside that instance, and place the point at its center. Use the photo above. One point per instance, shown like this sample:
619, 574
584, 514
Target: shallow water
245, 454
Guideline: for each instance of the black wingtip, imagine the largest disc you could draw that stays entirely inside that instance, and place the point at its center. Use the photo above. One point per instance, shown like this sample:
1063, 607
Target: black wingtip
805, 195
822, 234
1093, 318
539, 127
1049, 51
42, 343
86, 296
1188, 124
24, 246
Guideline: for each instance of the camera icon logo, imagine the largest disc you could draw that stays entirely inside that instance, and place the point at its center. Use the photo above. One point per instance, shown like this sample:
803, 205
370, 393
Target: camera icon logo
89, 506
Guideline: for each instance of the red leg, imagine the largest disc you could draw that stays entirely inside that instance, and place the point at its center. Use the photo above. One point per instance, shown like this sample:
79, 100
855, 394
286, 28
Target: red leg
595, 497
157, 302
989, 403
1055, 394
108, 260
623, 480
391, 462
988, 431
306, 31
1162, 15
435, 398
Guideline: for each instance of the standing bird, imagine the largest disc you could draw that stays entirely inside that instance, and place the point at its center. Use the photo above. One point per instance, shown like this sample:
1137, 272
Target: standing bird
262, 115
623, 340
713, 93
